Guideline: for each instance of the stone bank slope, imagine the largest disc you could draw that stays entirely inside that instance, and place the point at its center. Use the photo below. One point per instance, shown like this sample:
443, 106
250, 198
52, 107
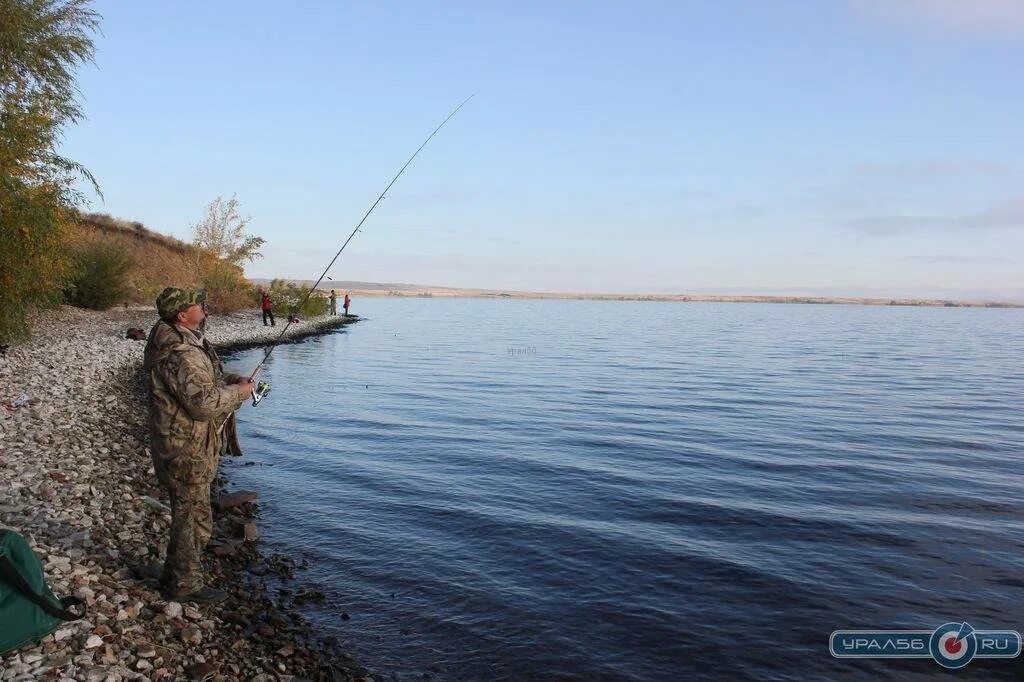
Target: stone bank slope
74, 468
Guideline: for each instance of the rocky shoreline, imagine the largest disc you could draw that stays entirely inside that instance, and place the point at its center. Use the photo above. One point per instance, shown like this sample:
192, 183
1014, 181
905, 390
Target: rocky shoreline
77, 481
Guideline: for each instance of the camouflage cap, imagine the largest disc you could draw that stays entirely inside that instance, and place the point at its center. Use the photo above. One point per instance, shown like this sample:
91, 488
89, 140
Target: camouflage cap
173, 300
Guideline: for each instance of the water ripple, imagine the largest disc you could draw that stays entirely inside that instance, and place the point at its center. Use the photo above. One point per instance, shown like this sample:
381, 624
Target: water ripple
645, 491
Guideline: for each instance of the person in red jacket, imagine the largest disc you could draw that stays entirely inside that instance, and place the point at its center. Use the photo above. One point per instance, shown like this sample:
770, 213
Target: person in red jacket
346, 304
268, 309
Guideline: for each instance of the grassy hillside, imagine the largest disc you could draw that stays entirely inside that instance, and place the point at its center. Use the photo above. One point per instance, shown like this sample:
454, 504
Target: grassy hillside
157, 259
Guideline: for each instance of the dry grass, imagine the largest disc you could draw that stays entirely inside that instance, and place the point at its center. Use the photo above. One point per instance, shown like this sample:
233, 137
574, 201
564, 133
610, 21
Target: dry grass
158, 260
110, 225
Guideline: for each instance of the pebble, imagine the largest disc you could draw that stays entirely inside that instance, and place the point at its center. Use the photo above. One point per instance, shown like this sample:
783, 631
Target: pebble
173, 609
74, 474
85, 594
198, 671
191, 635
62, 634
13, 671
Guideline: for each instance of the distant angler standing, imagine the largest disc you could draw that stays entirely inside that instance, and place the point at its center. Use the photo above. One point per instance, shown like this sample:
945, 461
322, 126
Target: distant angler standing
268, 308
191, 422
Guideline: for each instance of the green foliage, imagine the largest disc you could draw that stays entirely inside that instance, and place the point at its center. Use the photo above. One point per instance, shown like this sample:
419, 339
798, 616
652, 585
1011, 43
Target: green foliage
33, 264
41, 43
288, 296
227, 289
99, 275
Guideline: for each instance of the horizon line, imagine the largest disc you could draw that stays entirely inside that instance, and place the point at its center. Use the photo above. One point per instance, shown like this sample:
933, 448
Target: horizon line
402, 289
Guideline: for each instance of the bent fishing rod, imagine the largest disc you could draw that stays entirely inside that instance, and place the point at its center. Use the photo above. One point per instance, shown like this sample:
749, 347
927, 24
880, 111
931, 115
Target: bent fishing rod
263, 388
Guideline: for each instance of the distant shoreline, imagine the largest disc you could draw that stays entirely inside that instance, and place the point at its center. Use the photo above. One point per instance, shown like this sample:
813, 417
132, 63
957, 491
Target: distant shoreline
396, 290
698, 298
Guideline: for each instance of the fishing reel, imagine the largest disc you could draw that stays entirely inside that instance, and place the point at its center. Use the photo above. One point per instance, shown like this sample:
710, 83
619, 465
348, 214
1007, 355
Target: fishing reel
260, 392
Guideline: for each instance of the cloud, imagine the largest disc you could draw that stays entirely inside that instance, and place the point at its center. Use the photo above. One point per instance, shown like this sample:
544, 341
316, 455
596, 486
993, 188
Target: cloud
944, 168
960, 17
938, 187
1010, 216
925, 197
947, 259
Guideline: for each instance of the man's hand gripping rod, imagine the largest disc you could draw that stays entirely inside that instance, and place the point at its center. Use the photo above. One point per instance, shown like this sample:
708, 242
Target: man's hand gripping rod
263, 388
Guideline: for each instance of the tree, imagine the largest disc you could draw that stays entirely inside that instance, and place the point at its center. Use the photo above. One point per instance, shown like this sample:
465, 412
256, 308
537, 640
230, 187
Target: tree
42, 42
222, 246
221, 233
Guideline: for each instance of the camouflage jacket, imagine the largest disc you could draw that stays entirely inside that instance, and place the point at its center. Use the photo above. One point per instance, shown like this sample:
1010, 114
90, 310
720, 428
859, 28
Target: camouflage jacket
190, 399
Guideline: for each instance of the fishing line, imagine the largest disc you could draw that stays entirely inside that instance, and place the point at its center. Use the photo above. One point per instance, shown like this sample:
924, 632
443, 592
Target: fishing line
263, 387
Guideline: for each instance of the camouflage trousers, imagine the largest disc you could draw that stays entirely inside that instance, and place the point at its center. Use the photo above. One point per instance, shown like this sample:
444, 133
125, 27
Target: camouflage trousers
188, 484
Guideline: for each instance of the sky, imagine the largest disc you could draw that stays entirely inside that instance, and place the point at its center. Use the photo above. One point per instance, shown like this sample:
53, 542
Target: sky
834, 147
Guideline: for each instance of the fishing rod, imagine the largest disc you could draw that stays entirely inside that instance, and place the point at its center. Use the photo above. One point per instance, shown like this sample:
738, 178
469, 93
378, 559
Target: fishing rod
263, 387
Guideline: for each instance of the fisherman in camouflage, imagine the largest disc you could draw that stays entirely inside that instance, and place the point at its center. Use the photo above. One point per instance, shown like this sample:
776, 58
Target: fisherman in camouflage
191, 420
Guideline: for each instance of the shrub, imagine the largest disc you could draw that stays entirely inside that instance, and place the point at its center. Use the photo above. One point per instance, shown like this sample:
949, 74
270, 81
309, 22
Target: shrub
227, 289
99, 275
287, 297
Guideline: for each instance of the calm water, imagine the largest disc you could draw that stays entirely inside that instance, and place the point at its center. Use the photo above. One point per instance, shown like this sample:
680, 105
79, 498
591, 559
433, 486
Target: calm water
519, 490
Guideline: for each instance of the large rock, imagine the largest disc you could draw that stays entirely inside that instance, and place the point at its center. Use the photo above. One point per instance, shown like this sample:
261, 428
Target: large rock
250, 532
227, 549
235, 499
